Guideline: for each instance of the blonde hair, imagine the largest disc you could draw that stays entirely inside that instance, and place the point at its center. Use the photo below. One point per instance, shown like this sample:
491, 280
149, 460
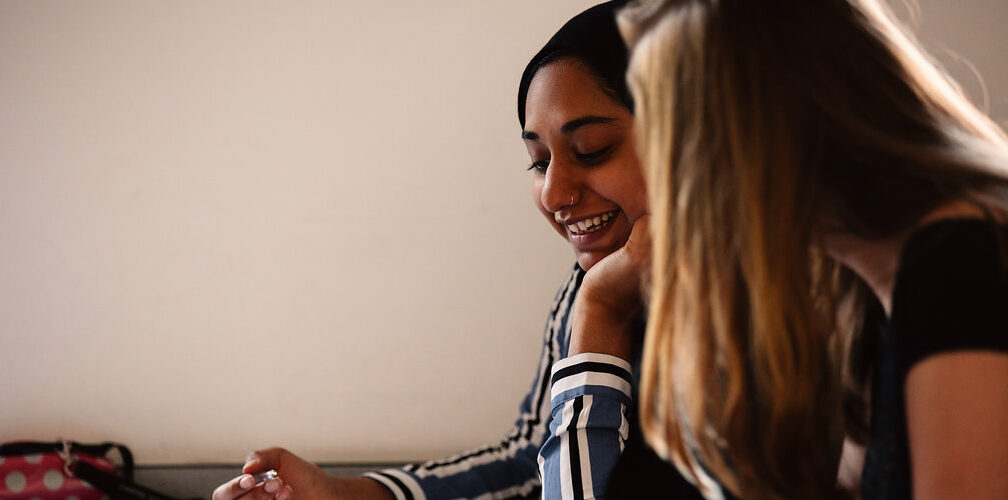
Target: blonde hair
762, 126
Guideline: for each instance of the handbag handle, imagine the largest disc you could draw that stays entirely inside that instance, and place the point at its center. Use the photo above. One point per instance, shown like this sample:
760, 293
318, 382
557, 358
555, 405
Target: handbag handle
115, 487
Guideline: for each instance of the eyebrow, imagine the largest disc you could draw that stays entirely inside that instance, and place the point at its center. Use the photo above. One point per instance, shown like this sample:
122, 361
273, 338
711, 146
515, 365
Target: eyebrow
573, 125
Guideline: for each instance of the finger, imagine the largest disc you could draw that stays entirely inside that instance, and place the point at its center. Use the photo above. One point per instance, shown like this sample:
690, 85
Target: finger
640, 226
234, 488
265, 491
273, 486
639, 242
285, 493
263, 460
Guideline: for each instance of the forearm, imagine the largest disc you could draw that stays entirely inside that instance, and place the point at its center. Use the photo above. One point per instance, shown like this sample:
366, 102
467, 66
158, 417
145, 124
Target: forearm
603, 326
492, 475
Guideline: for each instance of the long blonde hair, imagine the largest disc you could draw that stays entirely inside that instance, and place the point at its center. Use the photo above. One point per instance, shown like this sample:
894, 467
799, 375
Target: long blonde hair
763, 125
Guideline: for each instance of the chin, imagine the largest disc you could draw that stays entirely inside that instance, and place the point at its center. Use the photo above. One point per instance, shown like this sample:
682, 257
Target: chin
586, 261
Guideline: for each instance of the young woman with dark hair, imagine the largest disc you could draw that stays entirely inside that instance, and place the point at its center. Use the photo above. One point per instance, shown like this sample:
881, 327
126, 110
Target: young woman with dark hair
576, 116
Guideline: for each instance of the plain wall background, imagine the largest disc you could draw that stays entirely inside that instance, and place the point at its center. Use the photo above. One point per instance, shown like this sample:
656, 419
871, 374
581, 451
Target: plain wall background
227, 225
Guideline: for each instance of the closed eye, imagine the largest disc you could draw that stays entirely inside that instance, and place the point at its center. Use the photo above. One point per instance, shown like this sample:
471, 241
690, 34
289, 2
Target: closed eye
595, 157
539, 166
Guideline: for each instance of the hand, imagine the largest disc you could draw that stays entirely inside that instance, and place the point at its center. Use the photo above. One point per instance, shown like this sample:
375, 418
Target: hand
294, 474
613, 295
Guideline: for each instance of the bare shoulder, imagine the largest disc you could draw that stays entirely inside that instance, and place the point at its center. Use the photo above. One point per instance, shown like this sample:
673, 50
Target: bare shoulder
957, 422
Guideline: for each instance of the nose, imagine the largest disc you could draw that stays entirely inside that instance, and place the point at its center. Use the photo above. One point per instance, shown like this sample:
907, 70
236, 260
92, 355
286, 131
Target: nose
561, 187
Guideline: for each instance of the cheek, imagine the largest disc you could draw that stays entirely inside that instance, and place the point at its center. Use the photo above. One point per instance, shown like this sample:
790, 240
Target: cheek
625, 187
638, 193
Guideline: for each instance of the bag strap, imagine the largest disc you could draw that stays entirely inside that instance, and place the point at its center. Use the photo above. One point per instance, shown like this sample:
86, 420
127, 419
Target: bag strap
115, 487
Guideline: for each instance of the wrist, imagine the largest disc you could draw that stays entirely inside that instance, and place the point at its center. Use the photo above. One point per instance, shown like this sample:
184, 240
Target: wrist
377, 490
600, 306
603, 328
360, 487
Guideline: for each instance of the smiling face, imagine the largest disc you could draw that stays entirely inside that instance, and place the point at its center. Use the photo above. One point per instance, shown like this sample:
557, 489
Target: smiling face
586, 178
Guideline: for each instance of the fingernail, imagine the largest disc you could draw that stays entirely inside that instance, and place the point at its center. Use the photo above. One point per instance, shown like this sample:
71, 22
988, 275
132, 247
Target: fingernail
271, 485
246, 482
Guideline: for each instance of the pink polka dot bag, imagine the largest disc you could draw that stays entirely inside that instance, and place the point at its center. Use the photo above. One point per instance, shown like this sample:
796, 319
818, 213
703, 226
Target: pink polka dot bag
52, 471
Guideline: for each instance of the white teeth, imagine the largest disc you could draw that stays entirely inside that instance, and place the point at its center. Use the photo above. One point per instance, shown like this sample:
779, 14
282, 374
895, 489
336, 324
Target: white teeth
589, 225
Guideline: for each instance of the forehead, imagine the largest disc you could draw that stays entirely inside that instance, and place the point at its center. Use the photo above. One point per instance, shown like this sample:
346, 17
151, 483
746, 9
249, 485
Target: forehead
565, 90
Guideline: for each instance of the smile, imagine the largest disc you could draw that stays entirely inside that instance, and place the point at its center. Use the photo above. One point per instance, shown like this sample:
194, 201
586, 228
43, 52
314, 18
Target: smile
593, 224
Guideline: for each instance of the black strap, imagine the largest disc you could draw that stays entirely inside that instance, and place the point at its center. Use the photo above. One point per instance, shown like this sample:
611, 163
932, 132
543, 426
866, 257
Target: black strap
115, 487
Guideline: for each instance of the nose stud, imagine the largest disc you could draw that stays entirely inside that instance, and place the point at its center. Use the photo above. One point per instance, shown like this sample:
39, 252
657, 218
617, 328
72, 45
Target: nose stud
571, 204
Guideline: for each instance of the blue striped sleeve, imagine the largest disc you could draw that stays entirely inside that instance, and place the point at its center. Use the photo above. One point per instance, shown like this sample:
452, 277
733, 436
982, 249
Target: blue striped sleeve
507, 469
590, 397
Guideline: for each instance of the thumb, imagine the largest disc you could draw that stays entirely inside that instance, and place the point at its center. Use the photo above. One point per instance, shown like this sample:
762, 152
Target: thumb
263, 460
640, 236
640, 226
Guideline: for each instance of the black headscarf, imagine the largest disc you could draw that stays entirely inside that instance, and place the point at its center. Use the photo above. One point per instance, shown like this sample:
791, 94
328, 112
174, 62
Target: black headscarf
593, 39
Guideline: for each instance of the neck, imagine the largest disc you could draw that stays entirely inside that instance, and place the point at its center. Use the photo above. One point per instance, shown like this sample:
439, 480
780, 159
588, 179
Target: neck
876, 261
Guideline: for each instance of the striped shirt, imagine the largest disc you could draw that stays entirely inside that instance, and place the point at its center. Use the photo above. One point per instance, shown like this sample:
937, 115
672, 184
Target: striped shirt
590, 398
508, 469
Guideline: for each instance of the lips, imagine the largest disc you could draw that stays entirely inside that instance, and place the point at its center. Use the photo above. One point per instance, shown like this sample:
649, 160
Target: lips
591, 224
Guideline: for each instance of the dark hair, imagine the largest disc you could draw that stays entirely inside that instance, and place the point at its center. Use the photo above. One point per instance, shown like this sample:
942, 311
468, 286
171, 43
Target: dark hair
592, 39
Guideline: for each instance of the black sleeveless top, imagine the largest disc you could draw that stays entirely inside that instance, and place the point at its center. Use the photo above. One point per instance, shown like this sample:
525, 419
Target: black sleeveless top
951, 294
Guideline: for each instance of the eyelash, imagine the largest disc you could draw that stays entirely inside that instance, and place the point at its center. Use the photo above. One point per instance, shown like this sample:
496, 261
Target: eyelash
593, 158
539, 166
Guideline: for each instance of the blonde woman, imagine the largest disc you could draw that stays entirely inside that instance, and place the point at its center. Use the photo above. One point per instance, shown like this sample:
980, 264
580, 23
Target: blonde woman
805, 160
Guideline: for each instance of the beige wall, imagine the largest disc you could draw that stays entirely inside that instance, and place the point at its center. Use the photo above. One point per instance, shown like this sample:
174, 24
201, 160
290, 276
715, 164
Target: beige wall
969, 38
230, 224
